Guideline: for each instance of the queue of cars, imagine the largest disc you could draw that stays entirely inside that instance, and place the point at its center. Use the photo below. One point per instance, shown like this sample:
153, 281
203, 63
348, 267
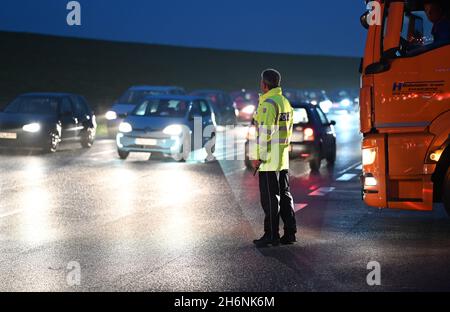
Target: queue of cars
159, 120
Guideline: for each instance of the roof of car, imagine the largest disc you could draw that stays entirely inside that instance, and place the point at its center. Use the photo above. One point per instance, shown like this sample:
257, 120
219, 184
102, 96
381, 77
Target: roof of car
175, 97
153, 88
208, 91
49, 94
301, 105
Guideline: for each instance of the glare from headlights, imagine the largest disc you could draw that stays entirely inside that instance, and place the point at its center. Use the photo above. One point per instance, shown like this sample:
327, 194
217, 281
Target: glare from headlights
173, 130
33, 128
110, 115
346, 102
125, 127
249, 109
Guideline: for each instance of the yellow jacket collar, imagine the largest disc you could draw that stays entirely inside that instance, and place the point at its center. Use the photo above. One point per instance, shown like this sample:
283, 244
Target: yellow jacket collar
273, 92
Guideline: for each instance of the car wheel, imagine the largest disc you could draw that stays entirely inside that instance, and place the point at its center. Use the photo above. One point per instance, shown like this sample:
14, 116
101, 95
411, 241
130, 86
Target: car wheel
87, 138
52, 144
446, 191
123, 155
331, 158
314, 164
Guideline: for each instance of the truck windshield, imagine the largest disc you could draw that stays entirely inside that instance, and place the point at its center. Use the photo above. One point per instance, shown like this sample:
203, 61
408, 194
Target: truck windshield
33, 105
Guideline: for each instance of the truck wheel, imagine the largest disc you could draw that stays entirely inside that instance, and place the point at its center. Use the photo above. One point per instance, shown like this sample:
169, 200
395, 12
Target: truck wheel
446, 191
123, 155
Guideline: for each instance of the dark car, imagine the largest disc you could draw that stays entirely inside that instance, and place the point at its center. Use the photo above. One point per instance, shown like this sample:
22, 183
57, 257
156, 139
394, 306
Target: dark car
43, 120
222, 104
164, 124
133, 96
313, 139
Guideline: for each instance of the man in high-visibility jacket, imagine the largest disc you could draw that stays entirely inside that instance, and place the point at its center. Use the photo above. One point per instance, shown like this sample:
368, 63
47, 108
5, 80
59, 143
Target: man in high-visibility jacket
274, 124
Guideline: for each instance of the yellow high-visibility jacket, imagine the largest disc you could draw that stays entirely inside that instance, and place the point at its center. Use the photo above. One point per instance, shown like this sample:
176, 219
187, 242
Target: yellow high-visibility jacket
274, 126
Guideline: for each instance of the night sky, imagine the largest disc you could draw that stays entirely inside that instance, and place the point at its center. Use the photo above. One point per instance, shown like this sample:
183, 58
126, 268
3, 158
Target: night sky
287, 26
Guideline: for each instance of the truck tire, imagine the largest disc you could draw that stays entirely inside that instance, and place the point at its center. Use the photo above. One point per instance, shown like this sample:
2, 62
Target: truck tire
446, 191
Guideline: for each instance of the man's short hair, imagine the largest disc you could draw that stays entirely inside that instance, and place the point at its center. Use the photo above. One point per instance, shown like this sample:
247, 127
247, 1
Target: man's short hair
272, 78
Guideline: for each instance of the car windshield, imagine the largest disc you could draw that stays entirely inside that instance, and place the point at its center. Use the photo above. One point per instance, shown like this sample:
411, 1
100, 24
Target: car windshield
33, 105
136, 97
162, 108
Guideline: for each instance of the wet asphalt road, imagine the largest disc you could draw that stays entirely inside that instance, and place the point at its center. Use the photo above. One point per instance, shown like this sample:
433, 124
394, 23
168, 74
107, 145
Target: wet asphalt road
159, 225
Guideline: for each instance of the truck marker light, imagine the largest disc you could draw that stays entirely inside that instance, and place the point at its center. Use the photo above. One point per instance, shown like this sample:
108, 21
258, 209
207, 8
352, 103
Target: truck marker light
368, 156
370, 181
435, 156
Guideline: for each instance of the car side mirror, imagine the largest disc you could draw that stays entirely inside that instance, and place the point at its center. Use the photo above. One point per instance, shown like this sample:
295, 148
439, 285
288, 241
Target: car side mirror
332, 123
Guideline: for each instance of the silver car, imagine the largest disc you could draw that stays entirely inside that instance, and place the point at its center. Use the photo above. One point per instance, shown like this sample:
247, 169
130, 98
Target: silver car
165, 125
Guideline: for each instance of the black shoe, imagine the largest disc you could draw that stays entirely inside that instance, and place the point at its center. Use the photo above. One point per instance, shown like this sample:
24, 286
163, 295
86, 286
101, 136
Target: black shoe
266, 240
288, 239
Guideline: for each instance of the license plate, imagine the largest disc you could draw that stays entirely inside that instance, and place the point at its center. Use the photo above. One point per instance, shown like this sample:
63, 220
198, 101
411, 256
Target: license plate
147, 142
8, 135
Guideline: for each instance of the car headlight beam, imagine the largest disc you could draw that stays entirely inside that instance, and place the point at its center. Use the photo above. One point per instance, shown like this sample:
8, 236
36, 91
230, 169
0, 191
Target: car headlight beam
110, 115
173, 130
125, 127
32, 128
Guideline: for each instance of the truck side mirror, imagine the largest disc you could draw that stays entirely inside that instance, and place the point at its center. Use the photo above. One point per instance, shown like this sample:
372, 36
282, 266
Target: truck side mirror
363, 20
393, 28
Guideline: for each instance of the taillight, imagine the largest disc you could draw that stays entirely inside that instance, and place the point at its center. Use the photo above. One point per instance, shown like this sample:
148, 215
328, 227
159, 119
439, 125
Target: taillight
308, 134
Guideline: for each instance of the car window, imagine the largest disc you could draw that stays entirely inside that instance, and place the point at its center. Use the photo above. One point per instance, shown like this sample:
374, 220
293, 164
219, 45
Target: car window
80, 107
66, 107
33, 105
204, 108
323, 118
300, 116
162, 108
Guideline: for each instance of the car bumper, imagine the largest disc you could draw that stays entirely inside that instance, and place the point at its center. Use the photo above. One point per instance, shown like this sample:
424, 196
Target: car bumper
136, 142
24, 140
305, 150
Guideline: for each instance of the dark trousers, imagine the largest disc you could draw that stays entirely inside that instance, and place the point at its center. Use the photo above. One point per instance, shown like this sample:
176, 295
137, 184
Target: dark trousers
277, 201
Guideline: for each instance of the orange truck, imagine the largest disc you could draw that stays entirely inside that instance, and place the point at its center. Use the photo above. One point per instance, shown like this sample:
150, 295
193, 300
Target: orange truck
405, 105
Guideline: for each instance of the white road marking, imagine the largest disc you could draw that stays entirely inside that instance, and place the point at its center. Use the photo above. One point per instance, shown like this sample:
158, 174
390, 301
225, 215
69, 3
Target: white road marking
298, 207
11, 213
322, 191
346, 177
349, 168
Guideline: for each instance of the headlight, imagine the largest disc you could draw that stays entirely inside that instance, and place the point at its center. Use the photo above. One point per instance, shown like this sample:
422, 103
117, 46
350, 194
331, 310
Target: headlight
346, 102
249, 109
111, 115
173, 130
33, 128
125, 127
368, 156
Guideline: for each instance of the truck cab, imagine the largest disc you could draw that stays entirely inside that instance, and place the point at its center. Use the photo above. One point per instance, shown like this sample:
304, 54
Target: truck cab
405, 105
